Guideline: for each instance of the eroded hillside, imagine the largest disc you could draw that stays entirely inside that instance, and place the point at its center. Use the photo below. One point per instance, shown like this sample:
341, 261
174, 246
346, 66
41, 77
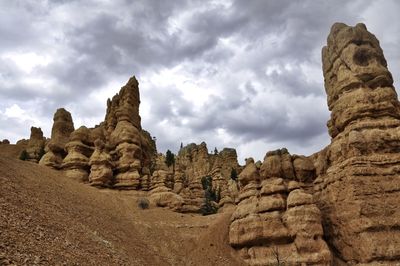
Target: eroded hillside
48, 219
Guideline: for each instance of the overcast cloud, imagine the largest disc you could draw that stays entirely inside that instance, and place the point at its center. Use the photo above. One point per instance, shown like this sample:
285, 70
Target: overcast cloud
241, 74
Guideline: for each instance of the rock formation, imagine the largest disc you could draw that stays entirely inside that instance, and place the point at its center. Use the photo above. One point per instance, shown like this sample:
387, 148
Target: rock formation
35, 146
161, 194
358, 187
62, 128
79, 149
122, 124
275, 219
223, 171
101, 173
194, 163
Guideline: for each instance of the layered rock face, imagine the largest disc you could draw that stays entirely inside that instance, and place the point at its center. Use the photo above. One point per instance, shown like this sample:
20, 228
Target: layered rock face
358, 188
225, 166
35, 147
79, 149
276, 221
194, 163
122, 124
62, 128
101, 173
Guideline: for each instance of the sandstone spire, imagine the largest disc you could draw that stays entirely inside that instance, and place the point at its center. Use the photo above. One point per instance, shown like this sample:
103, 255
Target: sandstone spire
36, 143
358, 189
62, 128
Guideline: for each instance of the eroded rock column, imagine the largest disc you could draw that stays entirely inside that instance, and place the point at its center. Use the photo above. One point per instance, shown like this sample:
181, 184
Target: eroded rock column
358, 187
62, 128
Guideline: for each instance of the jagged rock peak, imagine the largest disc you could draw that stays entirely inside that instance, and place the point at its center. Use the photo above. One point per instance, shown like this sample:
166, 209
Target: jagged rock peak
124, 106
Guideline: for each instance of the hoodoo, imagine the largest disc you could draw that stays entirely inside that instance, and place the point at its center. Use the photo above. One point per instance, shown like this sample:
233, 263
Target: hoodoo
358, 189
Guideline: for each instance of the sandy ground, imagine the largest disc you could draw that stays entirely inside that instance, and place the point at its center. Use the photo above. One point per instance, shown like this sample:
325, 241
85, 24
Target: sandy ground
47, 219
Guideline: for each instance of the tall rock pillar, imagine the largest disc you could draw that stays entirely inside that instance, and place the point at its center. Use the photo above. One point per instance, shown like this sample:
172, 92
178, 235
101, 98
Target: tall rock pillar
123, 129
358, 187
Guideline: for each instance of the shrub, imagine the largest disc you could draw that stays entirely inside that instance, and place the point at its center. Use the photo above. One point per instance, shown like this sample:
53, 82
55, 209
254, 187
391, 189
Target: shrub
24, 155
143, 203
169, 158
211, 197
208, 207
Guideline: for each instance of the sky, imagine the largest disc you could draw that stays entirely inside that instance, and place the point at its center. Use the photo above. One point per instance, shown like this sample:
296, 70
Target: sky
239, 74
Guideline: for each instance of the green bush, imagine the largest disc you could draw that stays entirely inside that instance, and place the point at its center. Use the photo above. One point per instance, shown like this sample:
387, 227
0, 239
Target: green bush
24, 156
211, 196
143, 203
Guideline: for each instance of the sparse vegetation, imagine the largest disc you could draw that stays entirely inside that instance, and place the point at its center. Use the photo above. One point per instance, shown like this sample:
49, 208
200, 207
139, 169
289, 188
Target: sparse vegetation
24, 155
211, 196
143, 203
215, 151
169, 158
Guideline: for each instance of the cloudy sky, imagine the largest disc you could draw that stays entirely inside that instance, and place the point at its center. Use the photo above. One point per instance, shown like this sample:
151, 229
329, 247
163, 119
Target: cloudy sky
241, 74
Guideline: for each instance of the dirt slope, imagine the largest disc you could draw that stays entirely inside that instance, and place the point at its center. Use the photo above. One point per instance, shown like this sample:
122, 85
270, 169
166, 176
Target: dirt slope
47, 219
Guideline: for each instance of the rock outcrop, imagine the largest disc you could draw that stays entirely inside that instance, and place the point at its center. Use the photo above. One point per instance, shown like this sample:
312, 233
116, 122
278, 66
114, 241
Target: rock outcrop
358, 187
36, 143
62, 128
122, 124
101, 173
79, 149
223, 172
275, 220
194, 163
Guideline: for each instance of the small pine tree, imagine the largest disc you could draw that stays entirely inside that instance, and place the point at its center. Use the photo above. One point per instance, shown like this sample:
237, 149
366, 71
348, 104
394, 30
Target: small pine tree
181, 145
215, 151
24, 155
234, 175
170, 159
210, 196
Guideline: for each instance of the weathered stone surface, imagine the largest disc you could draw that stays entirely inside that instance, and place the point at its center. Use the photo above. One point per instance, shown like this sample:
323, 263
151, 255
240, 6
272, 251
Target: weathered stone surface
267, 222
76, 163
35, 146
304, 168
194, 163
122, 124
250, 173
358, 187
166, 199
62, 128
101, 173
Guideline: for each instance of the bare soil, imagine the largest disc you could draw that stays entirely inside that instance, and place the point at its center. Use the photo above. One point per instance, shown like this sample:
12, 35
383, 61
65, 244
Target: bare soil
48, 219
